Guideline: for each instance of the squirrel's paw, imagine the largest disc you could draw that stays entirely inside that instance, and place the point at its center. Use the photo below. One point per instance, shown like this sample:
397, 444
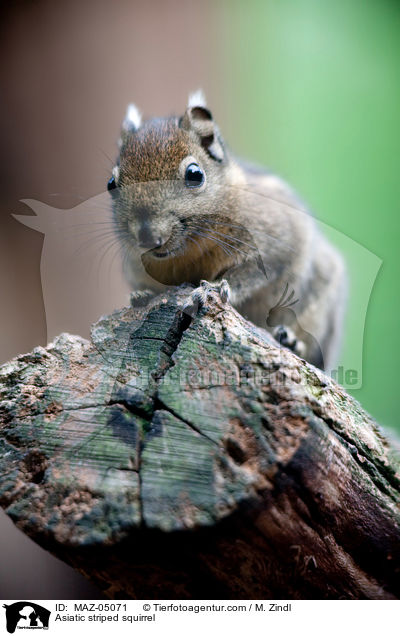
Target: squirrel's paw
200, 297
287, 338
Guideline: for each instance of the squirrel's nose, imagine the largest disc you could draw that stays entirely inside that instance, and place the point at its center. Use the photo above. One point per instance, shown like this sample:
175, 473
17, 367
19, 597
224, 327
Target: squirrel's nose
146, 238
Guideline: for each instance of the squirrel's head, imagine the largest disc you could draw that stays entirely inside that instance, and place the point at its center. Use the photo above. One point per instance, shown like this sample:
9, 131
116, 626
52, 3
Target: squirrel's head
170, 175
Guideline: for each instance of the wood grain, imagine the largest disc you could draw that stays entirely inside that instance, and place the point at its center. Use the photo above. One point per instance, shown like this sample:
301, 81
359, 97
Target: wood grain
177, 458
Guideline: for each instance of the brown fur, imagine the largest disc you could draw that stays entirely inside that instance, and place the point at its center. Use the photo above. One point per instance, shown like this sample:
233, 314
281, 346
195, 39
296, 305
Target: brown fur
154, 152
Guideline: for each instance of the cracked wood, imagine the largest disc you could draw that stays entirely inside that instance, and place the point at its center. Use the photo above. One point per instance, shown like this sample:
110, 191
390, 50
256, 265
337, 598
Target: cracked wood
197, 457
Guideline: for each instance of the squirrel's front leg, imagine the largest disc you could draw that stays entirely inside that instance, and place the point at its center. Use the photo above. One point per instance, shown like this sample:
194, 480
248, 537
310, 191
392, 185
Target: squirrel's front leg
239, 284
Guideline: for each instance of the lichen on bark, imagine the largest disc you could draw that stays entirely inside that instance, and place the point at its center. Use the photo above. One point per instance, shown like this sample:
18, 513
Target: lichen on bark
207, 440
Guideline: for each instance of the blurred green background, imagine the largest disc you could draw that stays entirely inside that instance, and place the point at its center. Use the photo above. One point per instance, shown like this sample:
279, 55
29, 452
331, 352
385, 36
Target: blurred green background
313, 91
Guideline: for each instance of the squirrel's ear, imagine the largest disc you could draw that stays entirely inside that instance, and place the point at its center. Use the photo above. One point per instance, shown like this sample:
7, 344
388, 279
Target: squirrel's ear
131, 123
133, 119
199, 120
197, 99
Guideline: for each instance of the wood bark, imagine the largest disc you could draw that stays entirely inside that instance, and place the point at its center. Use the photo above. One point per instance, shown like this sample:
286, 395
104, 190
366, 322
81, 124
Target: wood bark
171, 457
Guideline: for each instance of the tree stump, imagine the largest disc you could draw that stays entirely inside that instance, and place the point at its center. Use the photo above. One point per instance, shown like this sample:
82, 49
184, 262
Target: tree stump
172, 457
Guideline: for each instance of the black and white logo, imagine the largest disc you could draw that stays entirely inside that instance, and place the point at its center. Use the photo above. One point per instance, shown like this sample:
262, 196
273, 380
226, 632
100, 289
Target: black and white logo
26, 615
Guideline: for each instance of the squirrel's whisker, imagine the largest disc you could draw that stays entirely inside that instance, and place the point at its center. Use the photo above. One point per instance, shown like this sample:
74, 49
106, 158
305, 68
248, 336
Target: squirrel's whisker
217, 241
99, 242
221, 242
229, 236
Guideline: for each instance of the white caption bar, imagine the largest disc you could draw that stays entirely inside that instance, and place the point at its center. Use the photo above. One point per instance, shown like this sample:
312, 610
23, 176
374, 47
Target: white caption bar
182, 617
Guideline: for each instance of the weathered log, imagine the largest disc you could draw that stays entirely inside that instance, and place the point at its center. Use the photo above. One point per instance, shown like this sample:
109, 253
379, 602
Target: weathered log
179, 458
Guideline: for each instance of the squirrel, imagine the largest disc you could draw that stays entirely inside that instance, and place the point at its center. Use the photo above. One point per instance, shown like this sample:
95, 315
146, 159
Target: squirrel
187, 211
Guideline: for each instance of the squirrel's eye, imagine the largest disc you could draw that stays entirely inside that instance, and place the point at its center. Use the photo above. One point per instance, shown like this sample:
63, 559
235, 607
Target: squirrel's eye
194, 176
111, 184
